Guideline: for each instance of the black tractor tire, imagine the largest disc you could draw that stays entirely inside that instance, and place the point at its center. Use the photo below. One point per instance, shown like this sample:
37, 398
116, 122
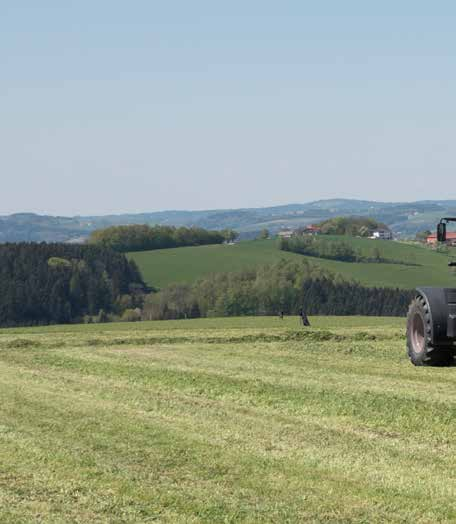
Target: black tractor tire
419, 342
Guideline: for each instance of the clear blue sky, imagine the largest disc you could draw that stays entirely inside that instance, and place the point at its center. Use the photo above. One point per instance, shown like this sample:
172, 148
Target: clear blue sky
108, 106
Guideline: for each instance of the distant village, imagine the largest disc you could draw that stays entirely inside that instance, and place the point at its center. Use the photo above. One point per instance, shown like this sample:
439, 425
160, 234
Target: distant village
378, 234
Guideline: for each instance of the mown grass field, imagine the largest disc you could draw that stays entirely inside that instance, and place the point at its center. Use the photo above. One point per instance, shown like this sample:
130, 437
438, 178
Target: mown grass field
166, 266
233, 420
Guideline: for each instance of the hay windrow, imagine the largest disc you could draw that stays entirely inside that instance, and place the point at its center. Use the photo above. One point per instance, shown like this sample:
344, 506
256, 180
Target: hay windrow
230, 337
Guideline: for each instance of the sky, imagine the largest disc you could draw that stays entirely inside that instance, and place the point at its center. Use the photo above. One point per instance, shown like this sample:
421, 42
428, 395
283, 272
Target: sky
110, 106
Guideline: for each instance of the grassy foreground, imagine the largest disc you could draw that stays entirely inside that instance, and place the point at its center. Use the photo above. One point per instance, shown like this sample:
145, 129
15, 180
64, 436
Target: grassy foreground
252, 420
422, 266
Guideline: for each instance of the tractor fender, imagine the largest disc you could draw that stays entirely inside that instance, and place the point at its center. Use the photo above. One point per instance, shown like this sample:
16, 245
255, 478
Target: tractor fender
441, 303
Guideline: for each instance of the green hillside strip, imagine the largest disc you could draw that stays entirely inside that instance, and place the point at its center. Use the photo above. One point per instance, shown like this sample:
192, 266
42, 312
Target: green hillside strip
166, 266
163, 267
319, 430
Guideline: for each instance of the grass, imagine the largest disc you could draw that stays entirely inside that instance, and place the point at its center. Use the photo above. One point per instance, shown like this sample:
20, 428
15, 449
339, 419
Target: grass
233, 420
163, 267
166, 266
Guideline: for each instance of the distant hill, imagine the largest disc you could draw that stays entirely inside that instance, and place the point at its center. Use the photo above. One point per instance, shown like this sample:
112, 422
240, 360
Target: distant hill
404, 219
421, 266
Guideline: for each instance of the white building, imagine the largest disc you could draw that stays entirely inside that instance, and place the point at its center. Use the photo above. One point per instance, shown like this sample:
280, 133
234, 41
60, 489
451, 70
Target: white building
287, 233
383, 234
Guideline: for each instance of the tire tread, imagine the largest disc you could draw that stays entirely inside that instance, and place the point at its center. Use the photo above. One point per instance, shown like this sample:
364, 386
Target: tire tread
431, 355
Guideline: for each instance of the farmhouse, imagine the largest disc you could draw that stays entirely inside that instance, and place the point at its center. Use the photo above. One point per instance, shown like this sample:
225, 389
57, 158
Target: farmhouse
311, 230
383, 234
451, 238
286, 233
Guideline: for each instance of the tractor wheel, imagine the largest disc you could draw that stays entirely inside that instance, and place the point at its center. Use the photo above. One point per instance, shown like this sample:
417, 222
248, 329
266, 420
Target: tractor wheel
419, 348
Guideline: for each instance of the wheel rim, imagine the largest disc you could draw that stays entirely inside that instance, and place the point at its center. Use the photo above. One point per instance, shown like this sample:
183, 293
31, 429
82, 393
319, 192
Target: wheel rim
417, 333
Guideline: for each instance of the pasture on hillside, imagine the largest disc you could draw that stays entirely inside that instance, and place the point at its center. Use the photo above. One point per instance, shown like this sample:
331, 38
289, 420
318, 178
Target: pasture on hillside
166, 266
224, 420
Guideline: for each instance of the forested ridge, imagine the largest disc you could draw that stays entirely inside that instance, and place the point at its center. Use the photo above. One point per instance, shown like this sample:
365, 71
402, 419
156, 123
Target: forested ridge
59, 283
145, 238
282, 287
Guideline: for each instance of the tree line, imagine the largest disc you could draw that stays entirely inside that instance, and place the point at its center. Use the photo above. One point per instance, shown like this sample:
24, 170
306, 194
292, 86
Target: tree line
286, 286
61, 283
324, 248
316, 246
144, 238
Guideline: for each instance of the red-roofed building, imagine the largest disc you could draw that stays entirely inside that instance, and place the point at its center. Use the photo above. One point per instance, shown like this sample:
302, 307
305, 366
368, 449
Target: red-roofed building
451, 238
312, 230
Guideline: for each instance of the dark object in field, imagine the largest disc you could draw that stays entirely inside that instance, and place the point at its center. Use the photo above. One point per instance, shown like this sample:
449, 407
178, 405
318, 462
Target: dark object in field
431, 320
281, 315
304, 319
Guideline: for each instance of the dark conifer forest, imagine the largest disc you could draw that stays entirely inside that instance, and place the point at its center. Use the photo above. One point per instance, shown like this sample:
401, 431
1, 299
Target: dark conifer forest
60, 283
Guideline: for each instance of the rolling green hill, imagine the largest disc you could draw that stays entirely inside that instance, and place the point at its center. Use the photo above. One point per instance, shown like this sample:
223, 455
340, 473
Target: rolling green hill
163, 267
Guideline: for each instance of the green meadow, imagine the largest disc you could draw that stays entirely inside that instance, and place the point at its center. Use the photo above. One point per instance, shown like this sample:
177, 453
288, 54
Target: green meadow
224, 420
420, 266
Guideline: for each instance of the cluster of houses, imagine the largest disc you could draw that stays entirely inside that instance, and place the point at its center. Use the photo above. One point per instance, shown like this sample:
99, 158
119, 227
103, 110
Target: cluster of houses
381, 234
307, 230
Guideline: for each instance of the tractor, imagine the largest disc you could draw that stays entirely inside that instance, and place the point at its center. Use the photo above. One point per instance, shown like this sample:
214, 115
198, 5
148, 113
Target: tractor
431, 320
